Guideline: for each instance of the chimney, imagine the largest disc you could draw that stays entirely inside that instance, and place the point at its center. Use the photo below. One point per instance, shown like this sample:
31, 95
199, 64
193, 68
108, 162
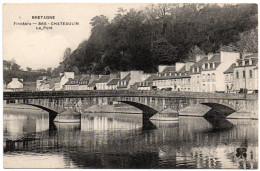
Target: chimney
210, 55
123, 74
178, 66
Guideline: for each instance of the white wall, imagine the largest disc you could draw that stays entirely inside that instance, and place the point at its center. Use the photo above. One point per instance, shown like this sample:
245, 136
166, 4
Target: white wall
15, 84
179, 65
227, 58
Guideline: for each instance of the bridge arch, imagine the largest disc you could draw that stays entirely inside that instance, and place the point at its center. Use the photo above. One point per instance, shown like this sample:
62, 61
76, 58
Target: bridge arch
52, 113
148, 111
218, 110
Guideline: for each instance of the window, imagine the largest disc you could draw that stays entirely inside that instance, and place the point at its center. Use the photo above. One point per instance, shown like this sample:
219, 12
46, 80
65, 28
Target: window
213, 77
203, 88
250, 73
237, 73
244, 74
208, 77
247, 62
211, 65
206, 66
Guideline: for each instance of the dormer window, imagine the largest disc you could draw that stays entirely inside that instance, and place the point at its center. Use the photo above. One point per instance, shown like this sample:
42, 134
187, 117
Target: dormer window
246, 62
206, 66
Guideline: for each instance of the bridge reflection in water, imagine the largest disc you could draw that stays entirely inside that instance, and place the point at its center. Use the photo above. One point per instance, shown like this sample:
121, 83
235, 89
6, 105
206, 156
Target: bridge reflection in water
119, 141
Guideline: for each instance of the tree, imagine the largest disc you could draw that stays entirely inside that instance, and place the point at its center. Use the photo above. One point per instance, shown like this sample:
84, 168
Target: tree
248, 41
7, 65
67, 53
161, 34
28, 69
163, 52
15, 67
49, 70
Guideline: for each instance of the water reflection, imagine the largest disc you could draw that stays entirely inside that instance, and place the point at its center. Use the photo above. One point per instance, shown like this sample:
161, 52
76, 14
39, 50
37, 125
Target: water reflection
119, 141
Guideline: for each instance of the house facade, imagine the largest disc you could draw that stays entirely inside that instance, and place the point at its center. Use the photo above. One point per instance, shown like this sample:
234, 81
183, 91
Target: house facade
195, 73
176, 77
207, 75
147, 83
246, 73
112, 85
129, 78
229, 79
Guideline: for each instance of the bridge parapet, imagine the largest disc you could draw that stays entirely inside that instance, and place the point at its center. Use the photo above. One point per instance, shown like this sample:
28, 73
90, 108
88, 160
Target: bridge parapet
153, 101
127, 93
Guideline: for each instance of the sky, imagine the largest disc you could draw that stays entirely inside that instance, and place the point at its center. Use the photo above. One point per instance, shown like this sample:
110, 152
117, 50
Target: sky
36, 49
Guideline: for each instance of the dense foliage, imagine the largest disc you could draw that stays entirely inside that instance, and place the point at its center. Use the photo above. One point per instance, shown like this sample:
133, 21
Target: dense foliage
161, 34
12, 70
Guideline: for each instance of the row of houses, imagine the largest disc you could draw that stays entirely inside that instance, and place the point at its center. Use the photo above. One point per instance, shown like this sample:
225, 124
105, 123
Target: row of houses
69, 81
227, 71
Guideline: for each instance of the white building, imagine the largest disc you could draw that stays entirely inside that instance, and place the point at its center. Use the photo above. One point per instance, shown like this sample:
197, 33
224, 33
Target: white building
208, 73
176, 77
64, 78
246, 73
129, 78
15, 84
229, 79
112, 85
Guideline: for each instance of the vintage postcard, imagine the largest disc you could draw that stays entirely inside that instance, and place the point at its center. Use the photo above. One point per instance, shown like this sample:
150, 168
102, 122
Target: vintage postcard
130, 86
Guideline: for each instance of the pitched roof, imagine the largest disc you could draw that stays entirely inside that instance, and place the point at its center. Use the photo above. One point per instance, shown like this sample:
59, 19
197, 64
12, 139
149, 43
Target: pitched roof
103, 79
200, 62
169, 69
230, 69
92, 84
252, 55
215, 58
86, 78
171, 77
113, 81
150, 79
72, 82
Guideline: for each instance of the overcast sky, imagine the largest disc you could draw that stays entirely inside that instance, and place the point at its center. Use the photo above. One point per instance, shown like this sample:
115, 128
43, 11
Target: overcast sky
44, 48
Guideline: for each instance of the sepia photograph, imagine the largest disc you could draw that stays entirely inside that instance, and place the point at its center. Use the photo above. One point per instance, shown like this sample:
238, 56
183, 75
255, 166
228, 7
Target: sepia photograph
130, 85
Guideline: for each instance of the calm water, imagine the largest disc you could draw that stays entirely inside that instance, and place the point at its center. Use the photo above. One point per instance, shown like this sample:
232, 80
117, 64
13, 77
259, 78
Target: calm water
120, 141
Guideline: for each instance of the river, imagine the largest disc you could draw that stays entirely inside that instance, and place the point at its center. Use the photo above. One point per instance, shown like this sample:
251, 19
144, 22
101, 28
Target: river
109, 140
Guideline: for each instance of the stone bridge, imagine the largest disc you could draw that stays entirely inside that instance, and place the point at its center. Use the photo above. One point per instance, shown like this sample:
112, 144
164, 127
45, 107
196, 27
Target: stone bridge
150, 102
